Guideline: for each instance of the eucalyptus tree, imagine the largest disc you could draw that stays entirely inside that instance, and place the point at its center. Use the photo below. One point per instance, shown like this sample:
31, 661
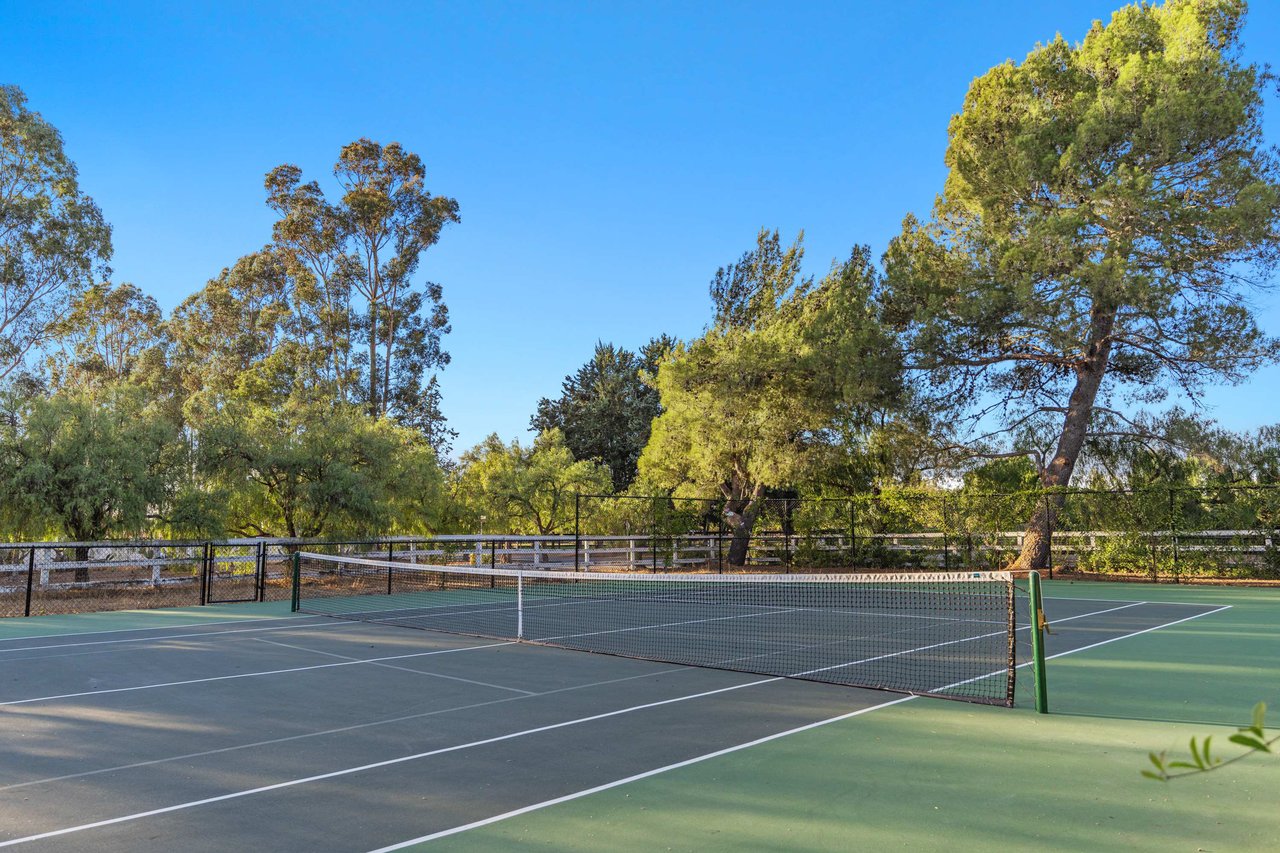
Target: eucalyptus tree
111, 334
1108, 209
53, 239
235, 323
355, 262
753, 404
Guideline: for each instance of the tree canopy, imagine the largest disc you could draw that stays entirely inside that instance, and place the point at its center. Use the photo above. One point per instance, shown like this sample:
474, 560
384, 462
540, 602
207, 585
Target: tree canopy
606, 409
54, 241
753, 402
1107, 209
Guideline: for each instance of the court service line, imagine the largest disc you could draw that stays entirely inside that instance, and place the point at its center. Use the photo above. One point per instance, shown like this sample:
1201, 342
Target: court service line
398, 668
379, 764
174, 636
155, 628
339, 730
250, 674
728, 750
390, 762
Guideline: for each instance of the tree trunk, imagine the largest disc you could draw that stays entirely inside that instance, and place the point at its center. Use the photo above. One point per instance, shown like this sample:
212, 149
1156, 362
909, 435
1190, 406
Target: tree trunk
82, 571
1075, 428
740, 512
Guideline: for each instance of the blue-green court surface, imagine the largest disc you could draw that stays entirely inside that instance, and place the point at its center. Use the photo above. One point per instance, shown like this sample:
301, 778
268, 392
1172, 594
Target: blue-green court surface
245, 727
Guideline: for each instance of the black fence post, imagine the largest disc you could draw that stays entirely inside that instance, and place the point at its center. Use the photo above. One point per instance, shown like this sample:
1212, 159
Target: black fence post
786, 533
204, 573
1173, 534
853, 533
31, 573
946, 537
577, 531
720, 542
261, 573
654, 528
1049, 524
391, 554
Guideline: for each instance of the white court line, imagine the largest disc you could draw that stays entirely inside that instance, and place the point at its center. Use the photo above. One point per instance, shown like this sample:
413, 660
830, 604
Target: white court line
174, 636
536, 806
377, 764
398, 668
1171, 603
340, 730
248, 674
718, 753
156, 628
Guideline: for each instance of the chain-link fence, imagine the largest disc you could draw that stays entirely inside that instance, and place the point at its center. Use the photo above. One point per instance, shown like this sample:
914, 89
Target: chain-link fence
1162, 534
1173, 534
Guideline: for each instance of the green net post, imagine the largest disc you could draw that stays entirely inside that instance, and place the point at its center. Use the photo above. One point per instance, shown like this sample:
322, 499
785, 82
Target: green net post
1037, 645
297, 580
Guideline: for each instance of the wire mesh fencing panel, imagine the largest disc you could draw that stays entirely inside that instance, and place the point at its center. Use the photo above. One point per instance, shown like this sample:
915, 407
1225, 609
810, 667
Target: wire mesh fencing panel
1115, 533
84, 577
987, 530
900, 530
16, 567
1224, 532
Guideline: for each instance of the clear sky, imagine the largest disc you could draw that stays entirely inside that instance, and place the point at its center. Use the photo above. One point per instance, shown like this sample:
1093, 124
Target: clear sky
607, 156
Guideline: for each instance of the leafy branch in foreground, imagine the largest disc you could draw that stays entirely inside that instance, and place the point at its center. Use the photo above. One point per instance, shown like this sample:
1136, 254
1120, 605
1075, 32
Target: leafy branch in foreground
1253, 738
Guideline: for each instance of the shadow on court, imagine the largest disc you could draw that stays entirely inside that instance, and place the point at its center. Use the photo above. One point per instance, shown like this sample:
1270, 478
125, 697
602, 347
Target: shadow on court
315, 735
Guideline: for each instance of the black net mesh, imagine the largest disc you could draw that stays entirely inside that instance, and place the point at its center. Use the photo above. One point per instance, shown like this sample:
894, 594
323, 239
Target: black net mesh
941, 634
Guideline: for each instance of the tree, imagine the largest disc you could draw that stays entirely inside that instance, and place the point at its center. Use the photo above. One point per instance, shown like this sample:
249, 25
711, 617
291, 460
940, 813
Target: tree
90, 463
1108, 207
606, 409
370, 244
53, 240
313, 468
111, 334
239, 322
754, 402
525, 489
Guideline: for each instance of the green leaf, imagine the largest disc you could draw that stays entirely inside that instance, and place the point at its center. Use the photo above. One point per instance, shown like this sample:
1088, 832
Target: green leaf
1159, 777
1250, 741
1195, 755
1259, 717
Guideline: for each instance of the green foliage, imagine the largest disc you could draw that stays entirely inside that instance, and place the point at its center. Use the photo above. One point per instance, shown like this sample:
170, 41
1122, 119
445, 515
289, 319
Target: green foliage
111, 334
606, 409
751, 402
53, 240
1252, 737
313, 469
1107, 206
351, 265
515, 489
87, 464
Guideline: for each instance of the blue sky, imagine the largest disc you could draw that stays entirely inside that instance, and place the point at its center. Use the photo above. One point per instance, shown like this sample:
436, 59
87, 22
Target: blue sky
607, 157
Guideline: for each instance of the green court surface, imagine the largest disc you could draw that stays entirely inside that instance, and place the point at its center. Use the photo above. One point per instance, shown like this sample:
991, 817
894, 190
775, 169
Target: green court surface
931, 775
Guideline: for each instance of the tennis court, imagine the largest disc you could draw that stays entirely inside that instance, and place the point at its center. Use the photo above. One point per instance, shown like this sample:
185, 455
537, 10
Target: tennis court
250, 727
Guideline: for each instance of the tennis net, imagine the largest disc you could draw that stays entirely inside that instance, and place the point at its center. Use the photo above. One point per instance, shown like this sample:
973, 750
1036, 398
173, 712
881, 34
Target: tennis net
940, 634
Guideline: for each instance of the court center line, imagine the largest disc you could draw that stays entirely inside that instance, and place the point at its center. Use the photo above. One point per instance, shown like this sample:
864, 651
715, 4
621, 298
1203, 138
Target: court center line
400, 668
444, 833
250, 674
341, 729
378, 764
390, 762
